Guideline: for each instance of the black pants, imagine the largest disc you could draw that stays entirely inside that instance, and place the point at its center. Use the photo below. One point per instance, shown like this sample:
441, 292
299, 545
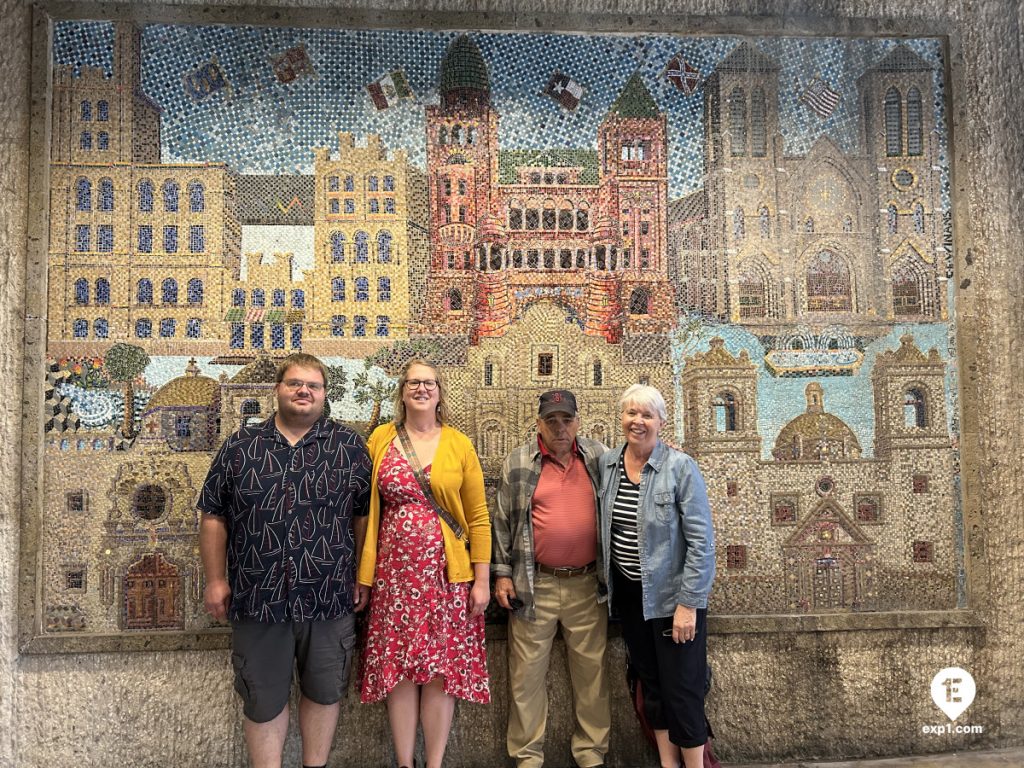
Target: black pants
672, 674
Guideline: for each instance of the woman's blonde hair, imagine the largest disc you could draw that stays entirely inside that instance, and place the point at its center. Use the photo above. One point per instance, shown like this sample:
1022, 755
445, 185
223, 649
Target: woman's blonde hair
399, 404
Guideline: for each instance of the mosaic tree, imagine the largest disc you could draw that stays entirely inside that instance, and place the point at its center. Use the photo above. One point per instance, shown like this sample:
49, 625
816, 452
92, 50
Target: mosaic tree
372, 392
125, 363
336, 381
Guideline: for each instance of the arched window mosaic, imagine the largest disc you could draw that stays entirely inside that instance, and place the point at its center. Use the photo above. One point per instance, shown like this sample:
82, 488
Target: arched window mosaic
362, 247
171, 193
829, 288
83, 195
639, 301
453, 300
737, 123
144, 291
145, 195
195, 291
753, 294
915, 411
106, 201
337, 247
724, 411
169, 291
893, 123
384, 247
914, 131
758, 124
196, 197
81, 291
102, 291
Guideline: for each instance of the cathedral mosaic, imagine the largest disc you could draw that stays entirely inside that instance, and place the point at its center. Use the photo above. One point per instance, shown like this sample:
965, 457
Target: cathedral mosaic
759, 227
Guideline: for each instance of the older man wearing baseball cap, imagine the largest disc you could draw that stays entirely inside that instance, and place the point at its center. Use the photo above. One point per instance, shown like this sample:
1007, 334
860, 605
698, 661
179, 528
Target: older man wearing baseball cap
545, 547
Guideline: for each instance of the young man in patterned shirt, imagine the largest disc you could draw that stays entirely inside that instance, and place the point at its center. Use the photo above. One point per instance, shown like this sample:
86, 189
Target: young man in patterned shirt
284, 515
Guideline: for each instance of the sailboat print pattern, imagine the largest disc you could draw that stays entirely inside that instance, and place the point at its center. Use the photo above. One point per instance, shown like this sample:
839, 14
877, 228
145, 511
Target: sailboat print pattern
289, 512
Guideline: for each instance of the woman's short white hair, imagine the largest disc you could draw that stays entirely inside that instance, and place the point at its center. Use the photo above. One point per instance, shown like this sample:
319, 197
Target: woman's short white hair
645, 396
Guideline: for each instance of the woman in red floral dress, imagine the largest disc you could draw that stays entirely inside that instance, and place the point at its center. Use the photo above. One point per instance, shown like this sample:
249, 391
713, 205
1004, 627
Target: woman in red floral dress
425, 642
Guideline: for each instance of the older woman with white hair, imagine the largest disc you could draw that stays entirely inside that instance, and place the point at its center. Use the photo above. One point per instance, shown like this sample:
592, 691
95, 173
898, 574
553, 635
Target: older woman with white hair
659, 558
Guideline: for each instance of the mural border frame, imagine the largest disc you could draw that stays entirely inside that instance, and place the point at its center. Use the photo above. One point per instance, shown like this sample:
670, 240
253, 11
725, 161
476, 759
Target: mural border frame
31, 637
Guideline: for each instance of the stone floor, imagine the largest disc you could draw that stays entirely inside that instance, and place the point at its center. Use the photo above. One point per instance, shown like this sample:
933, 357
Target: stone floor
987, 759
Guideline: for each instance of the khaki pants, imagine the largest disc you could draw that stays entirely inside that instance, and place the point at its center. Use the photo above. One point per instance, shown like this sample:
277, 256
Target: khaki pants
571, 602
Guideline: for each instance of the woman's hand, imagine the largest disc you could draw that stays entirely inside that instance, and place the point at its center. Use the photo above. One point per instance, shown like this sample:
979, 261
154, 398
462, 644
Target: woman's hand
479, 597
684, 624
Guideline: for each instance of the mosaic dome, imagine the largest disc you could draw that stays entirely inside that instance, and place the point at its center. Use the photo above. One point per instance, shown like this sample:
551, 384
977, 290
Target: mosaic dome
463, 67
189, 390
816, 434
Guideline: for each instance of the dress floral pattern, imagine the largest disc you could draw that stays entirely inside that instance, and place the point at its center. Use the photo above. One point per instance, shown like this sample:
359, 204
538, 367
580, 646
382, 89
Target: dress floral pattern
419, 625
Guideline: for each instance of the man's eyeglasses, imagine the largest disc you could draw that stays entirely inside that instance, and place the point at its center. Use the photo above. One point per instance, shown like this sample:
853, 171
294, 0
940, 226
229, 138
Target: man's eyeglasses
428, 384
294, 384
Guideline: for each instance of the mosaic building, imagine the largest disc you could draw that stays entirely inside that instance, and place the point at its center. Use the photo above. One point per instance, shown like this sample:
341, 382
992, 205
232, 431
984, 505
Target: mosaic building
841, 530
370, 233
538, 354
140, 250
582, 228
854, 237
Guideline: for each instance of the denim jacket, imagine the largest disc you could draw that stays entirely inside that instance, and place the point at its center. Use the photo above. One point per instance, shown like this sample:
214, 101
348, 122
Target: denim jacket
675, 534
512, 522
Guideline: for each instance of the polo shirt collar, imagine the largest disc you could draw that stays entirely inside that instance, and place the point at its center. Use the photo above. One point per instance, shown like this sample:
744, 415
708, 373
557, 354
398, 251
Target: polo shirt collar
545, 452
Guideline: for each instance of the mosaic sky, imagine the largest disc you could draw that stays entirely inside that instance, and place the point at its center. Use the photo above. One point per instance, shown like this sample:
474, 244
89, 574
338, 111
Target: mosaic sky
259, 125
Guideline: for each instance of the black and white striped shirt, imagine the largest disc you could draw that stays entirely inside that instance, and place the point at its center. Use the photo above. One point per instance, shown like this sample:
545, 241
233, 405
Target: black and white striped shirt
625, 546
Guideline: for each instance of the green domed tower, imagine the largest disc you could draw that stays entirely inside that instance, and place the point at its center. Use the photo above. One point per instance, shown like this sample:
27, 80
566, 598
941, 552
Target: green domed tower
462, 174
462, 78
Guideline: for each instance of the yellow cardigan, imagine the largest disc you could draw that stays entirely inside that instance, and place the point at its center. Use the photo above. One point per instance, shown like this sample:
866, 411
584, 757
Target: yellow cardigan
458, 485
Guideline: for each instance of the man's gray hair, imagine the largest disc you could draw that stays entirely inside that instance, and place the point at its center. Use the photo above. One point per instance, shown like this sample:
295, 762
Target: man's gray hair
645, 396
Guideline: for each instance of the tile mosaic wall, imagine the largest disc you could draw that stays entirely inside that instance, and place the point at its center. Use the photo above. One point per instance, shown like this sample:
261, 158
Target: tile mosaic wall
760, 227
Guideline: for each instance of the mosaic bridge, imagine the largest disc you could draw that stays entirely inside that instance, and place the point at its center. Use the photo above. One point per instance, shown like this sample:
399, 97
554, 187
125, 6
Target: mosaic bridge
758, 227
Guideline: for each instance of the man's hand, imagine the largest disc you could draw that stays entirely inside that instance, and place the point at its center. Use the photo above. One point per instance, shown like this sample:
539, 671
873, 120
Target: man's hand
479, 597
360, 596
217, 598
504, 590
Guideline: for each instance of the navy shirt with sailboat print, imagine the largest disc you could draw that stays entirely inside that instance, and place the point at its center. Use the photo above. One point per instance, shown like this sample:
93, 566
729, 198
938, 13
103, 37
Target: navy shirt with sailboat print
289, 512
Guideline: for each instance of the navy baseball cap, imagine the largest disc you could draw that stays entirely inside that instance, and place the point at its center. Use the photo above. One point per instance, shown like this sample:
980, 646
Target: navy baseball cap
557, 401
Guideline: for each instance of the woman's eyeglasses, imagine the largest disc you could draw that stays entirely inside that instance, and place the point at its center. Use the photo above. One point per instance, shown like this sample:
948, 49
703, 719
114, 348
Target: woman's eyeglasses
428, 384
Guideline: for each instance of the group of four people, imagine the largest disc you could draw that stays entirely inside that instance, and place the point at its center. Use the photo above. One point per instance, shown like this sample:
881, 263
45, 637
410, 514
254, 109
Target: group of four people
302, 526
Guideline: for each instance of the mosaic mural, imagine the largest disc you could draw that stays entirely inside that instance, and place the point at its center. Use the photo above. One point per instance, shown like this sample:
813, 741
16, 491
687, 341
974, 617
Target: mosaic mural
760, 227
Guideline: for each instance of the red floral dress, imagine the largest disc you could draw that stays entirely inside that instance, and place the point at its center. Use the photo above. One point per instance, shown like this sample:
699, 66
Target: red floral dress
419, 625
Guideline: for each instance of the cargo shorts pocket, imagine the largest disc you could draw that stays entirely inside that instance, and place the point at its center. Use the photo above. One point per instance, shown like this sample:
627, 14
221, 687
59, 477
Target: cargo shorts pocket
347, 642
246, 688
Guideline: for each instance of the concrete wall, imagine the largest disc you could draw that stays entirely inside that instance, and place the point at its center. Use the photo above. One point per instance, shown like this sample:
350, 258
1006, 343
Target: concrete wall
784, 688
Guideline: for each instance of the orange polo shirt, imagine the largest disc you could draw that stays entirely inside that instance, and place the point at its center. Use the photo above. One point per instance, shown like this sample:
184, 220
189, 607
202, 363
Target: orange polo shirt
564, 512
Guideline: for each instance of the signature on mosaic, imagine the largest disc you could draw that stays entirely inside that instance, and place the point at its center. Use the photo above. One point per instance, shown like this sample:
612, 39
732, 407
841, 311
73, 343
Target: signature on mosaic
759, 227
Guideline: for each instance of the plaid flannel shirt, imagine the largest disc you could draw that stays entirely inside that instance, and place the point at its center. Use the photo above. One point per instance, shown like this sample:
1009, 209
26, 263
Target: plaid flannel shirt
512, 522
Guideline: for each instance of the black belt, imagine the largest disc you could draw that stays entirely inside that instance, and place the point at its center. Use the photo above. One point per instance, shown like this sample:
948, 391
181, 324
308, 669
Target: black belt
566, 571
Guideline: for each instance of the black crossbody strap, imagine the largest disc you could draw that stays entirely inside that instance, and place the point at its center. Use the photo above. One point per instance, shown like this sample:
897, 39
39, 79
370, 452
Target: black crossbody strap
417, 470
